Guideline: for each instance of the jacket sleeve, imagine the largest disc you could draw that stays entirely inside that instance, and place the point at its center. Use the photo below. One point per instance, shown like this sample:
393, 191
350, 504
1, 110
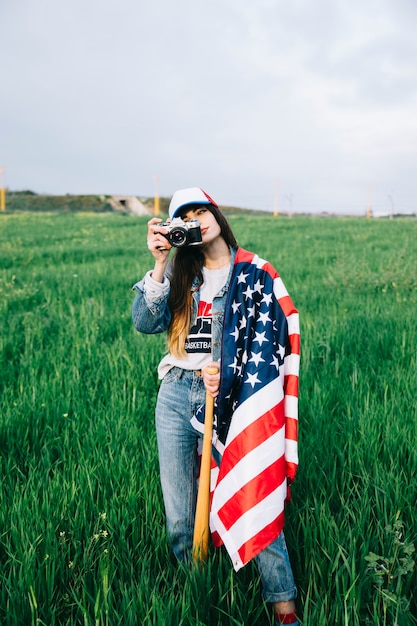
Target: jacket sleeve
150, 311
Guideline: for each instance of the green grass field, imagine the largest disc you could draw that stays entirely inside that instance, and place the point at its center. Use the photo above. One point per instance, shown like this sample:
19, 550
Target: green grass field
82, 531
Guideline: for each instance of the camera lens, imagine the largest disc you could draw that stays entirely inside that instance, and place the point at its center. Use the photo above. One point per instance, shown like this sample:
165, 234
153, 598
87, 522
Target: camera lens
178, 237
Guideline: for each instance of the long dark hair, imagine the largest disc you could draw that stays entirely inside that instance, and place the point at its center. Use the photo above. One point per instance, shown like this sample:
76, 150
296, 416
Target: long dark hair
186, 267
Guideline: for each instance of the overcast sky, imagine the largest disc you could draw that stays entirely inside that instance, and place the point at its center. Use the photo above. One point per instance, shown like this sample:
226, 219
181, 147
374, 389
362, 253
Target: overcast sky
311, 104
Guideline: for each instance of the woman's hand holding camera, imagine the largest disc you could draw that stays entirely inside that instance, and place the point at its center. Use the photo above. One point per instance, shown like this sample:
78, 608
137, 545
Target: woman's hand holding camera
159, 247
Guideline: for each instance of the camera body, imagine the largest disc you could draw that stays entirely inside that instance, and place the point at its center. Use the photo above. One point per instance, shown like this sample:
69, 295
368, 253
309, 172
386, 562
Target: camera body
182, 233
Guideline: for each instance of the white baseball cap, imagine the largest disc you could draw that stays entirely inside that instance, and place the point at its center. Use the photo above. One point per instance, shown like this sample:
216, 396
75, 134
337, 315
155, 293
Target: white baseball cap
191, 195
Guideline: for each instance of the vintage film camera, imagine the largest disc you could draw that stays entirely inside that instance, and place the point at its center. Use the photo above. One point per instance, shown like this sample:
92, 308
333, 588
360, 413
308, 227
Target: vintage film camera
182, 233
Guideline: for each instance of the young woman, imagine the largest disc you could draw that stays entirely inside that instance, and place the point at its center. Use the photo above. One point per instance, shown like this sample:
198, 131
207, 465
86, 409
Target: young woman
225, 306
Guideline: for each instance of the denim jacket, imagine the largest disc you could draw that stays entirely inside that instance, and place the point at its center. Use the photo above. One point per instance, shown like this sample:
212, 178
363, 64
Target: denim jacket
154, 316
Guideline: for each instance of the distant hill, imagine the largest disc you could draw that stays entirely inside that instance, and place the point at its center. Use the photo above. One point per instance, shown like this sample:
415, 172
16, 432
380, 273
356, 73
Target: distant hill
131, 205
30, 201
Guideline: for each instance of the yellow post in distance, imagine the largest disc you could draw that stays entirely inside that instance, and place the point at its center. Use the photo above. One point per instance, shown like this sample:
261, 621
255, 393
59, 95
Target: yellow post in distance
156, 200
2, 191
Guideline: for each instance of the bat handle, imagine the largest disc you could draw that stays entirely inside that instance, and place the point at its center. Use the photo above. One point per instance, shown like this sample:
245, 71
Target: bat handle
202, 514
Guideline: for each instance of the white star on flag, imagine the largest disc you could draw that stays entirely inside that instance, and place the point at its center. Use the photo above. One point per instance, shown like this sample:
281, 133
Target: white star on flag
256, 357
236, 368
235, 333
258, 286
252, 379
281, 352
260, 338
274, 362
264, 318
248, 293
242, 278
267, 298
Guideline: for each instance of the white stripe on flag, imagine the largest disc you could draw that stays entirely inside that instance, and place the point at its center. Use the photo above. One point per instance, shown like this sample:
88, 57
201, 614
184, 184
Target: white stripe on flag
214, 474
291, 451
254, 407
248, 467
292, 364
252, 522
280, 290
293, 322
291, 407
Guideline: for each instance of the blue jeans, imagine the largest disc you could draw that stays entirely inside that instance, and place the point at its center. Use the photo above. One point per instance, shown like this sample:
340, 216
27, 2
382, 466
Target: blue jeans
180, 395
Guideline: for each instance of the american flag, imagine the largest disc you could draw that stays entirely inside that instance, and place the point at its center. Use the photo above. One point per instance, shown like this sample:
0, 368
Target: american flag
256, 415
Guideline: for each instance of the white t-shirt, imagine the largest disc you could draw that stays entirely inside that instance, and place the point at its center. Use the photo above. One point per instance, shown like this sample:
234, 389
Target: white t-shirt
198, 342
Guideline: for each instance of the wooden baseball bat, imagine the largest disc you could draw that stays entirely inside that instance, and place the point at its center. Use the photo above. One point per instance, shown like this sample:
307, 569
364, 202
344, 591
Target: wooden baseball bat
202, 513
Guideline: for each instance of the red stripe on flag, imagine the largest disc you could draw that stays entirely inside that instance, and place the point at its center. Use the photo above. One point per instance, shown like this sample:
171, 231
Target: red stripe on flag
291, 385
248, 439
255, 490
267, 267
291, 428
243, 256
295, 343
261, 540
217, 540
291, 471
287, 306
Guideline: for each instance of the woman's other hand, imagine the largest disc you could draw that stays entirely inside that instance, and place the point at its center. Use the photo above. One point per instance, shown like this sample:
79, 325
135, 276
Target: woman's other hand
211, 380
